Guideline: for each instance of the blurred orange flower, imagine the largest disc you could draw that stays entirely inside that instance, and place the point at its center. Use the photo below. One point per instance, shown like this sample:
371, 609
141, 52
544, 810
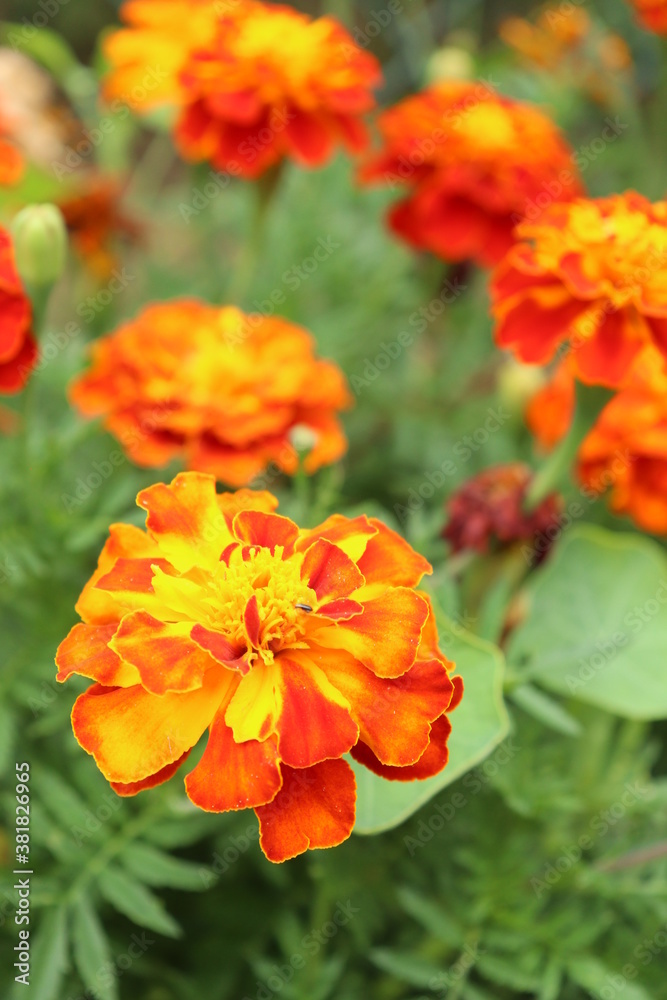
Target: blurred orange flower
476, 164
18, 351
94, 219
253, 82
11, 162
224, 389
566, 42
652, 14
292, 647
548, 40
591, 275
626, 450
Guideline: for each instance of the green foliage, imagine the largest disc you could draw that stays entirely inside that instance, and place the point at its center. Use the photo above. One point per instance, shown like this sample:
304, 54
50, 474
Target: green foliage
597, 617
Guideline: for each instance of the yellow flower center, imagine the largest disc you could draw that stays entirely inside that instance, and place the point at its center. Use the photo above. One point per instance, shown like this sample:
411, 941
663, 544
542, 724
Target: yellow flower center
276, 585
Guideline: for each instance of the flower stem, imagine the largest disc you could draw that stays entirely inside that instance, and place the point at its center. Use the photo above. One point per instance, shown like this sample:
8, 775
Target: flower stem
589, 403
241, 282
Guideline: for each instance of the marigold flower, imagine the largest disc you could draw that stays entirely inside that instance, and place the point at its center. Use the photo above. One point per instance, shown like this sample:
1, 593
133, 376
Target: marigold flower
589, 274
253, 83
652, 14
219, 387
487, 512
475, 162
567, 43
550, 39
626, 449
18, 351
292, 647
94, 219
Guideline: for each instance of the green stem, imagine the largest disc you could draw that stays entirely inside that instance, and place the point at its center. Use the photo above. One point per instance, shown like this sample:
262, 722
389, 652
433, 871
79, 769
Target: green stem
242, 279
590, 401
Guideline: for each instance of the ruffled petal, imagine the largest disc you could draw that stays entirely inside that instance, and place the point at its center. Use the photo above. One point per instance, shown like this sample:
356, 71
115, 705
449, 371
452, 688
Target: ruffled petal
165, 656
133, 734
233, 775
315, 808
328, 571
386, 637
86, 651
159, 778
431, 762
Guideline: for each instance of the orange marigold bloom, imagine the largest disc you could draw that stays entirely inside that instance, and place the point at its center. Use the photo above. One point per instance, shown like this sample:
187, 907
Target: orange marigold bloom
94, 219
652, 14
552, 37
626, 449
476, 163
292, 647
590, 274
253, 83
219, 387
18, 350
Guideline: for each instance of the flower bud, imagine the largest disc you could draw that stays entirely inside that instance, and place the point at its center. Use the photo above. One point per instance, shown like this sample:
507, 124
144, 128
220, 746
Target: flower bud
40, 244
302, 438
518, 383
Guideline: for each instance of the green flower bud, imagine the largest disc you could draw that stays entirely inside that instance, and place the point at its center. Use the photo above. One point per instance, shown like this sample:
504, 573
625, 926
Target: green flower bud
303, 438
40, 244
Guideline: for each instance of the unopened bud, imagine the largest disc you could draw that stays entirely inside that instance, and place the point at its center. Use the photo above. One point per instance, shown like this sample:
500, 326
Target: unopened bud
303, 438
40, 244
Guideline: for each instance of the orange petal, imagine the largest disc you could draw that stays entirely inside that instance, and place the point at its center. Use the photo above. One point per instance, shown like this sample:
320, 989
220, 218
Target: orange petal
133, 734
86, 651
134, 787
125, 541
314, 721
385, 638
328, 571
220, 648
389, 559
266, 530
314, 809
233, 775
350, 535
164, 654
186, 521
431, 762
394, 715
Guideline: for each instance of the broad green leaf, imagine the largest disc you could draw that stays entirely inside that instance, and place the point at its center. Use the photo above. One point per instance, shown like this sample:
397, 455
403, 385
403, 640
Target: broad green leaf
48, 959
545, 709
91, 951
478, 724
596, 627
157, 868
131, 898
